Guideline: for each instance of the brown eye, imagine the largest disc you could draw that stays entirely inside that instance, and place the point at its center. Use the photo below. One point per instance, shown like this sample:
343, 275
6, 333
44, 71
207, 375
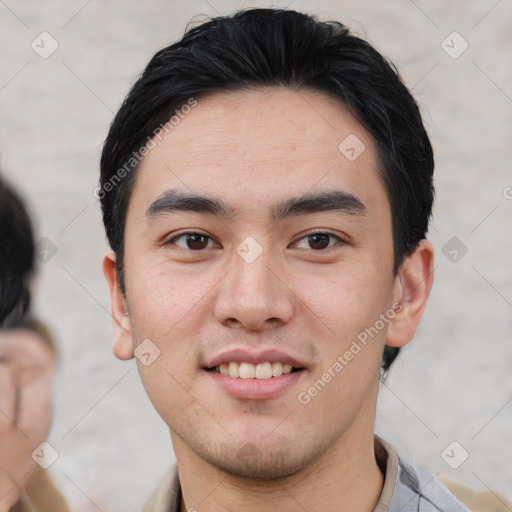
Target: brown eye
192, 241
197, 241
319, 241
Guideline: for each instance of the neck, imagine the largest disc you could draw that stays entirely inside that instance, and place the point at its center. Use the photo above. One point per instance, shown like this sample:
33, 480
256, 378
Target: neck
345, 477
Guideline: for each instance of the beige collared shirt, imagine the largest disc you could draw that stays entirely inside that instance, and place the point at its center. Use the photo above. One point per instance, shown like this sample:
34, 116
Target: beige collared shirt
41, 495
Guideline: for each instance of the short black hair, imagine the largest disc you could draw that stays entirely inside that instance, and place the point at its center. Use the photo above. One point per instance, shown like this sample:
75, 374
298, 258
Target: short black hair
259, 48
17, 254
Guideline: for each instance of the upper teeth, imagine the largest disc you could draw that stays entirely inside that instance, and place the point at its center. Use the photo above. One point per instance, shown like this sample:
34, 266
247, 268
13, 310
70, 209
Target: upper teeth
250, 371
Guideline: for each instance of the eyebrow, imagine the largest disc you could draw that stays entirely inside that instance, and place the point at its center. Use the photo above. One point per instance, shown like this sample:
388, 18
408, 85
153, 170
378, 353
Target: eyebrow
333, 200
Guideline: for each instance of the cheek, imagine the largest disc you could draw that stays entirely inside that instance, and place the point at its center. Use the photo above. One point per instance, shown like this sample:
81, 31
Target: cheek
170, 380
168, 308
344, 298
164, 300
38, 410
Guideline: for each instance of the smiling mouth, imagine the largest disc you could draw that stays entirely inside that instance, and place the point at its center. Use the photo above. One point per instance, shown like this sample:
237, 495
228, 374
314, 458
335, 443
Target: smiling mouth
262, 371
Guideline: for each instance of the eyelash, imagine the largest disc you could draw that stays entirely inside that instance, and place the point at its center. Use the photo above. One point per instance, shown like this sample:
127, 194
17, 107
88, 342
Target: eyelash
172, 241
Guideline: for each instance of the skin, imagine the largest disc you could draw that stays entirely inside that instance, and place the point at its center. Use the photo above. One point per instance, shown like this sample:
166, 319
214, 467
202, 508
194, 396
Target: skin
253, 149
27, 368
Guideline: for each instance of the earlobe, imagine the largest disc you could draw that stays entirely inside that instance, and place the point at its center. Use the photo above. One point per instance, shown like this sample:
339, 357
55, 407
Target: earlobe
123, 343
412, 289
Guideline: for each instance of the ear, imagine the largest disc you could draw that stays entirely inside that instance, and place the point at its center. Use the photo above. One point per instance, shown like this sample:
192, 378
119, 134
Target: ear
123, 344
412, 289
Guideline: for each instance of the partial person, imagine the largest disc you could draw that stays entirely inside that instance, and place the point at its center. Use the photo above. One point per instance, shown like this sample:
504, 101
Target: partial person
27, 367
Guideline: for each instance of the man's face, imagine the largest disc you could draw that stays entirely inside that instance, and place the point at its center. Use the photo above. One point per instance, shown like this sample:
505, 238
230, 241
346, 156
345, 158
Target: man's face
273, 279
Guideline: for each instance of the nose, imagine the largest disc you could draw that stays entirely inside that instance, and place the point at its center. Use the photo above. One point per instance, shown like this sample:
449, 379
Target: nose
253, 296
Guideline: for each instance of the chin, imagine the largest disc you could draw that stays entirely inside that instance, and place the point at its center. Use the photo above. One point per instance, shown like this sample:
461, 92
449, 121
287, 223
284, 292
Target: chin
260, 471
260, 463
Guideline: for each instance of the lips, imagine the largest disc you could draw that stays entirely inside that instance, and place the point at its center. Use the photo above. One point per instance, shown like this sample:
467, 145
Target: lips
251, 375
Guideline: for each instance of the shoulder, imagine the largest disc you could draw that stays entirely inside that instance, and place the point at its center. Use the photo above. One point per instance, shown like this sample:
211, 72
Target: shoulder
411, 488
431, 494
41, 495
489, 501
426, 492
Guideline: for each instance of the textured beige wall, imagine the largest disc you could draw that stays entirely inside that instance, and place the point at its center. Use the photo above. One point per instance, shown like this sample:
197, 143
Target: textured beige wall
453, 383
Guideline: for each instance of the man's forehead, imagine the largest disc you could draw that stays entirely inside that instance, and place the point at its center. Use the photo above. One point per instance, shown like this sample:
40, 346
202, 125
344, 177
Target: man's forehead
210, 157
269, 123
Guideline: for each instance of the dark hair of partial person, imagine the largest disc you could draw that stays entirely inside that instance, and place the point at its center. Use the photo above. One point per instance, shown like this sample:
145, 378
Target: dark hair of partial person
17, 254
261, 48
17, 265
